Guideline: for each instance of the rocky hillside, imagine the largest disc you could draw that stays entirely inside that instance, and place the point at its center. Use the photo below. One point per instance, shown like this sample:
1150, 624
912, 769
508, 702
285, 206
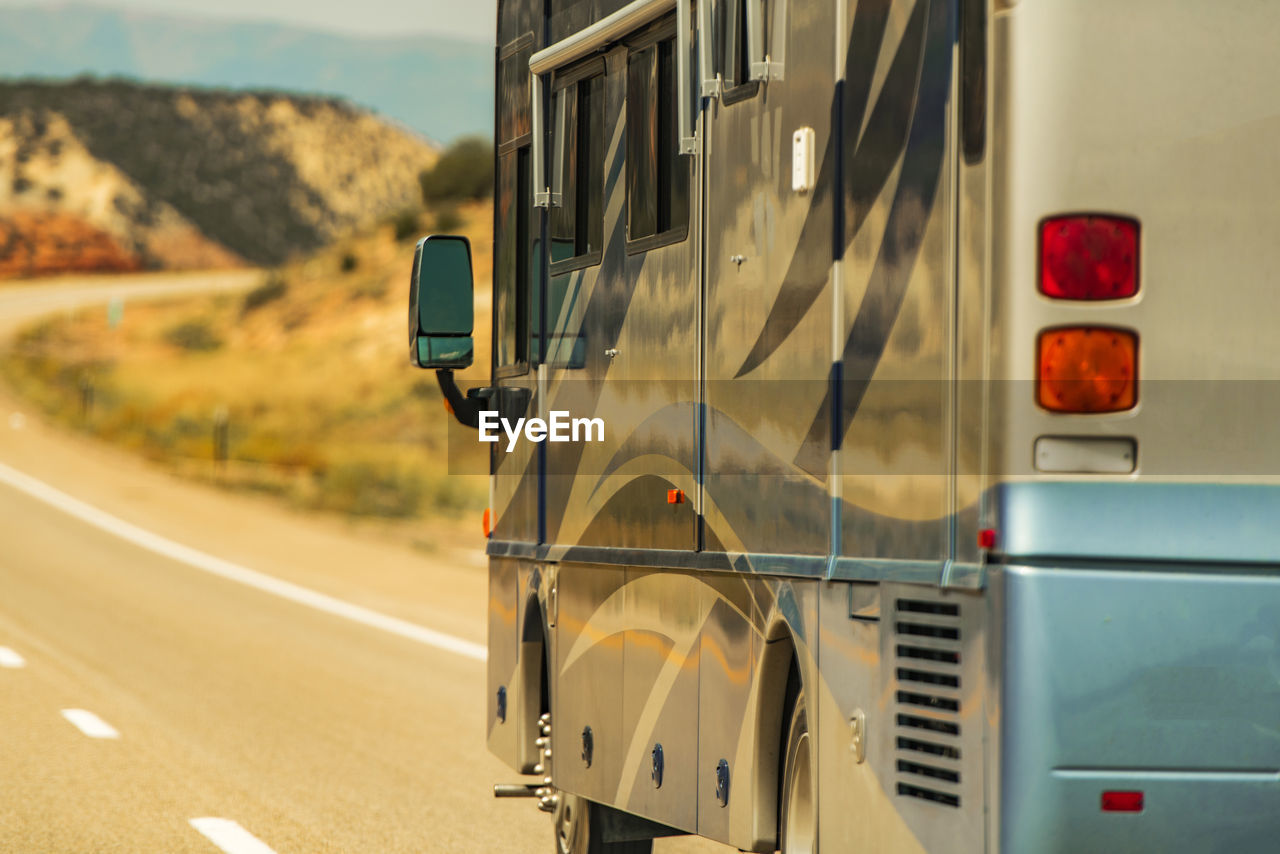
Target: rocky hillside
160, 177
399, 76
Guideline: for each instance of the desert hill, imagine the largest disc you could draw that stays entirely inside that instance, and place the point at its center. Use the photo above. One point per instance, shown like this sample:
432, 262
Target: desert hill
403, 77
309, 370
183, 178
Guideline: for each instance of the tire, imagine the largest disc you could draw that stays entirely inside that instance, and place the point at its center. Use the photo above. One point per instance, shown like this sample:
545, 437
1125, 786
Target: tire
798, 813
578, 830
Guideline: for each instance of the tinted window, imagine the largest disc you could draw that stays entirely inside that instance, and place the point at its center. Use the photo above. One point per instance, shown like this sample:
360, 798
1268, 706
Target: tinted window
642, 143
563, 229
657, 175
591, 171
513, 92
737, 68
577, 223
511, 281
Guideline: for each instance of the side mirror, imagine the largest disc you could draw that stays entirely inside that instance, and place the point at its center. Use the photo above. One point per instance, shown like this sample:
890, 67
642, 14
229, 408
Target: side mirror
441, 309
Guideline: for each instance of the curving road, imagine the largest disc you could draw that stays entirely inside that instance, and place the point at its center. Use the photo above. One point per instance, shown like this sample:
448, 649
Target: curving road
184, 670
150, 704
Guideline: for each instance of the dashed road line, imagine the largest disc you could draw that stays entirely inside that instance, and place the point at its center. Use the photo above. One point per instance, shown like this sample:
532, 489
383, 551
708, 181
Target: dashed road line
10, 659
143, 538
90, 724
230, 837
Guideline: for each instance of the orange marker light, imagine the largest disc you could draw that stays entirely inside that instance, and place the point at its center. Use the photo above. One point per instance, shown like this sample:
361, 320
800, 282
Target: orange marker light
448, 407
675, 496
1087, 369
486, 522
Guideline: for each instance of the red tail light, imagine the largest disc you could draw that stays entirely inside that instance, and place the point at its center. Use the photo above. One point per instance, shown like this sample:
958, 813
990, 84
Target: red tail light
1087, 369
1089, 257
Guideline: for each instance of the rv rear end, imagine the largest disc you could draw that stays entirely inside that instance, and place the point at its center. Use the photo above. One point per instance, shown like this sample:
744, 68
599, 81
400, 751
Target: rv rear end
1131, 175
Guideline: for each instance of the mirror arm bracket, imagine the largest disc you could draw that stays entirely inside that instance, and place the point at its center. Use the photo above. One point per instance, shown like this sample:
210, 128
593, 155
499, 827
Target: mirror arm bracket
466, 408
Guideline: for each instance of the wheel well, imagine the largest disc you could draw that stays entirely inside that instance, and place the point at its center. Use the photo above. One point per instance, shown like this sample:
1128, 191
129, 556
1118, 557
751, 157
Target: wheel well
780, 685
535, 691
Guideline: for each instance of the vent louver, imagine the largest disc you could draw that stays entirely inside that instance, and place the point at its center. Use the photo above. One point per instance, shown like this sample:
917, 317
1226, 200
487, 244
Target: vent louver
926, 665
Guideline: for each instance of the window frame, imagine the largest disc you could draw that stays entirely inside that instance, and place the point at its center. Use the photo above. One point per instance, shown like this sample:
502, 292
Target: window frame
561, 79
524, 289
662, 30
518, 52
737, 51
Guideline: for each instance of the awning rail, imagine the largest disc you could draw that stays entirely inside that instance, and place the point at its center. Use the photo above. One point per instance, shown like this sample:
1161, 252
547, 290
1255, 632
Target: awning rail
622, 22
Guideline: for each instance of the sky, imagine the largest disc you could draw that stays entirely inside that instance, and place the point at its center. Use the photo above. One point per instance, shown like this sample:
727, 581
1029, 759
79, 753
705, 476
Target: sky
472, 19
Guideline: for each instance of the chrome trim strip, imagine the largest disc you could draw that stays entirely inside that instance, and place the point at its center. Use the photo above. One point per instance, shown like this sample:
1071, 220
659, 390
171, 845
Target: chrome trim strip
922, 572
1207, 774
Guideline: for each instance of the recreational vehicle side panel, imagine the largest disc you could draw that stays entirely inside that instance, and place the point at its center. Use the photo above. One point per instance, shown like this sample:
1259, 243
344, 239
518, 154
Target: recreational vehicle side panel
587, 740
516, 278
639, 324
768, 316
898, 269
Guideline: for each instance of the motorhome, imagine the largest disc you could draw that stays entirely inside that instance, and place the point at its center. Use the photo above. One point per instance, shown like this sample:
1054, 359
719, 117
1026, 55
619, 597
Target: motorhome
935, 504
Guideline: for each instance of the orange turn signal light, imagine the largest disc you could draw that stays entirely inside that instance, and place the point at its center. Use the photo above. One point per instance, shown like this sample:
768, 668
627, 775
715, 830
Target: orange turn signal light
487, 517
1087, 369
675, 496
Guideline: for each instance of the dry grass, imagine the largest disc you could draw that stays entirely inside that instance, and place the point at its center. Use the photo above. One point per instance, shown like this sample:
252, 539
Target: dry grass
310, 373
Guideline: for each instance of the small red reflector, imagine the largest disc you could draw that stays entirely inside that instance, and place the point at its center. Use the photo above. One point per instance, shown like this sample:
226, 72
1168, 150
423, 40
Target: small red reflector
1089, 257
1087, 369
987, 538
1122, 801
675, 496
487, 529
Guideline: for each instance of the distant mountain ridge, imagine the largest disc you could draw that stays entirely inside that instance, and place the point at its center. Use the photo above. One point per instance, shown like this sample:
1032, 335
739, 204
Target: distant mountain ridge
440, 86
181, 177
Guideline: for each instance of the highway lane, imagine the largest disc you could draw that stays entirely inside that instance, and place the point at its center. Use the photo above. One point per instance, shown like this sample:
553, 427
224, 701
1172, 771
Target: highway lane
311, 732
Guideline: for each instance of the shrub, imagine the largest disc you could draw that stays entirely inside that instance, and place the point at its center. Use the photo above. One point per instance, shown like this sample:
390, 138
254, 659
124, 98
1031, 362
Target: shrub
373, 289
425, 389
464, 171
447, 220
193, 335
274, 288
405, 224
367, 489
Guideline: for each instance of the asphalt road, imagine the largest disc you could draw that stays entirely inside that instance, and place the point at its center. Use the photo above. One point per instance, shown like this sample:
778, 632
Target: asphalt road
309, 731
187, 670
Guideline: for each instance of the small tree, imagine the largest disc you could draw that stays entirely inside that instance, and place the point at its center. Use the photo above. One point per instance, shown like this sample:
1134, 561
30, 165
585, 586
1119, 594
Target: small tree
463, 172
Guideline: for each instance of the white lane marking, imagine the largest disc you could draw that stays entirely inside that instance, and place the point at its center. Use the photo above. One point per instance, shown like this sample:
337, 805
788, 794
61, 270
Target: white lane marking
234, 572
10, 659
90, 724
230, 837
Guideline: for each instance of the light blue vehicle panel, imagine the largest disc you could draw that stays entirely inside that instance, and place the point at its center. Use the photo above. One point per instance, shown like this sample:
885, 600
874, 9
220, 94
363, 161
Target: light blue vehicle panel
1162, 680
